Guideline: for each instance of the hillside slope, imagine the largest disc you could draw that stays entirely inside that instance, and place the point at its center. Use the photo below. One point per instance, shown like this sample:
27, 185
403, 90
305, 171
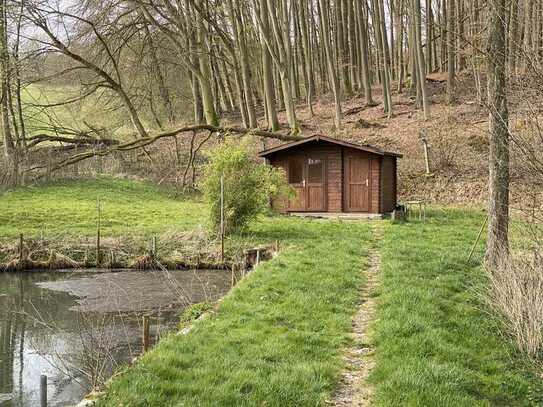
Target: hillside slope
457, 135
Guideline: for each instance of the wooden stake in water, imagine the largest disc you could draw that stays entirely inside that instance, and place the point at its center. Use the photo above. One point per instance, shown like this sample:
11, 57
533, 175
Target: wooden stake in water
222, 218
43, 390
98, 226
145, 337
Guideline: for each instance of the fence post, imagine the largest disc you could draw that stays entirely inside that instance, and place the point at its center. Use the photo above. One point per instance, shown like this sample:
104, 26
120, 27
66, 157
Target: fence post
153, 248
222, 218
145, 338
98, 226
21, 248
43, 390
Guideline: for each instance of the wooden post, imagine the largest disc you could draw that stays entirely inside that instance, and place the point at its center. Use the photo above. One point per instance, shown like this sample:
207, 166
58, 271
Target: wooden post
478, 238
257, 261
222, 218
21, 249
233, 274
424, 141
98, 226
43, 390
154, 247
145, 338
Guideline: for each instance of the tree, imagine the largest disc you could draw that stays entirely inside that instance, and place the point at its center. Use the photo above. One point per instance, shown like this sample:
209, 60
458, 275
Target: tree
451, 47
278, 42
498, 202
325, 34
419, 58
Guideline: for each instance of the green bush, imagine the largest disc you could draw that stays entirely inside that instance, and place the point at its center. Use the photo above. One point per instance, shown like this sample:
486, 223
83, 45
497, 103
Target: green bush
248, 185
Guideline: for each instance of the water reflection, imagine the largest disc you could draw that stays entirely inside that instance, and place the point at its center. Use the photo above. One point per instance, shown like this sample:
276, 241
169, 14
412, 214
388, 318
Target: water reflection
77, 328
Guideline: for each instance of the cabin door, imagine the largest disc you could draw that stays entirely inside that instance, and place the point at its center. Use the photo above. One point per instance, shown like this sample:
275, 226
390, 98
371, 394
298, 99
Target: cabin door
307, 177
357, 184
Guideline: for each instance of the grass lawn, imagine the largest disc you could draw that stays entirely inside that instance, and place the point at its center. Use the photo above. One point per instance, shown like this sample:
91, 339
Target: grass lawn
275, 340
128, 207
98, 109
436, 344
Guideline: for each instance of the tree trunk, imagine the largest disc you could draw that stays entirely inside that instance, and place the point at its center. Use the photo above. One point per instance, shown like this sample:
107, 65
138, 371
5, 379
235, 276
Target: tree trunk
205, 78
498, 204
421, 71
325, 32
451, 48
9, 144
267, 71
366, 76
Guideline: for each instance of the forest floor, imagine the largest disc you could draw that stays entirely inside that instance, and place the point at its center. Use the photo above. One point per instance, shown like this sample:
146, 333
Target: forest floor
457, 135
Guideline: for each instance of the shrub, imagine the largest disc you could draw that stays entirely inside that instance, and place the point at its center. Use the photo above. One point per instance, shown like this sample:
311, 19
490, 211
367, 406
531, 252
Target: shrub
248, 185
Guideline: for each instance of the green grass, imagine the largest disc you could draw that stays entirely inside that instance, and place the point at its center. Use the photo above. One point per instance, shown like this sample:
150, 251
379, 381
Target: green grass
436, 344
100, 110
128, 207
275, 340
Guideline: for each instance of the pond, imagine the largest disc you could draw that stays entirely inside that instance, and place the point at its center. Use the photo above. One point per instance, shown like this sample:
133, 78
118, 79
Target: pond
78, 327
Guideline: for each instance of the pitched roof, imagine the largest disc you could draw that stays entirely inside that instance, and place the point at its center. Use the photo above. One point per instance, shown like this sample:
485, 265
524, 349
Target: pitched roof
367, 148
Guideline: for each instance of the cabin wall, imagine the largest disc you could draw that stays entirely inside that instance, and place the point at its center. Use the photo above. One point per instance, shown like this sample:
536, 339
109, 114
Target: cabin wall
382, 176
374, 177
331, 154
388, 184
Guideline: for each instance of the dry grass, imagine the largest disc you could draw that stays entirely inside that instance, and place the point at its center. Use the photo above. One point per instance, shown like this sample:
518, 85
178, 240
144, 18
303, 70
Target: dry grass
516, 293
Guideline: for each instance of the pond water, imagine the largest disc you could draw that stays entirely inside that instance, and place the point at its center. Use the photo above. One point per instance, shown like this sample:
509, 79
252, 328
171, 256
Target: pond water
78, 327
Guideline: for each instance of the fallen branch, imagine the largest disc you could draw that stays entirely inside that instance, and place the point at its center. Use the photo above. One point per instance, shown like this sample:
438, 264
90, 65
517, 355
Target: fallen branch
78, 141
145, 141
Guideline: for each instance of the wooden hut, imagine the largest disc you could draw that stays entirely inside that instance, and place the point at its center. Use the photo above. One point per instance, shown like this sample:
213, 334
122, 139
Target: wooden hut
335, 176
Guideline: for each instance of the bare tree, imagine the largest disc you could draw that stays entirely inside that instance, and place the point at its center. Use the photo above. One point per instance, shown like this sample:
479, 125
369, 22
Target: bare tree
498, 204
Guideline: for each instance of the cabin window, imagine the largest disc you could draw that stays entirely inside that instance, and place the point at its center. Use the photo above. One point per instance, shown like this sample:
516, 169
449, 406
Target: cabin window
295, 171
314, 170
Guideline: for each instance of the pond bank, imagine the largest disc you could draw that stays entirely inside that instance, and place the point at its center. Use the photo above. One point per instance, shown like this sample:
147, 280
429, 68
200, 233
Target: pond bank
78, 328
184, 254
276, 338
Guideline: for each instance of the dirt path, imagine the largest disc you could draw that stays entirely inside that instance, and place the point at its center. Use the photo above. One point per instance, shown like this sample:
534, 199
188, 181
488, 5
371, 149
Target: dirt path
354, 389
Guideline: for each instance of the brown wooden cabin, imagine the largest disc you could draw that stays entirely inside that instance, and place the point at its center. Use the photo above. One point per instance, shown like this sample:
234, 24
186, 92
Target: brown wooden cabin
331, 175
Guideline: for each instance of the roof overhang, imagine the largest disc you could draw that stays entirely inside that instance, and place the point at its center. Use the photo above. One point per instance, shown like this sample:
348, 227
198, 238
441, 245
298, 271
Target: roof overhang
366, 148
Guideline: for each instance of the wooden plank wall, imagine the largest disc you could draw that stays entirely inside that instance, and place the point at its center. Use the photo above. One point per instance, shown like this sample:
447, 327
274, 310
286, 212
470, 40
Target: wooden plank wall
375, 176
388, 184
334, 170
382, 180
